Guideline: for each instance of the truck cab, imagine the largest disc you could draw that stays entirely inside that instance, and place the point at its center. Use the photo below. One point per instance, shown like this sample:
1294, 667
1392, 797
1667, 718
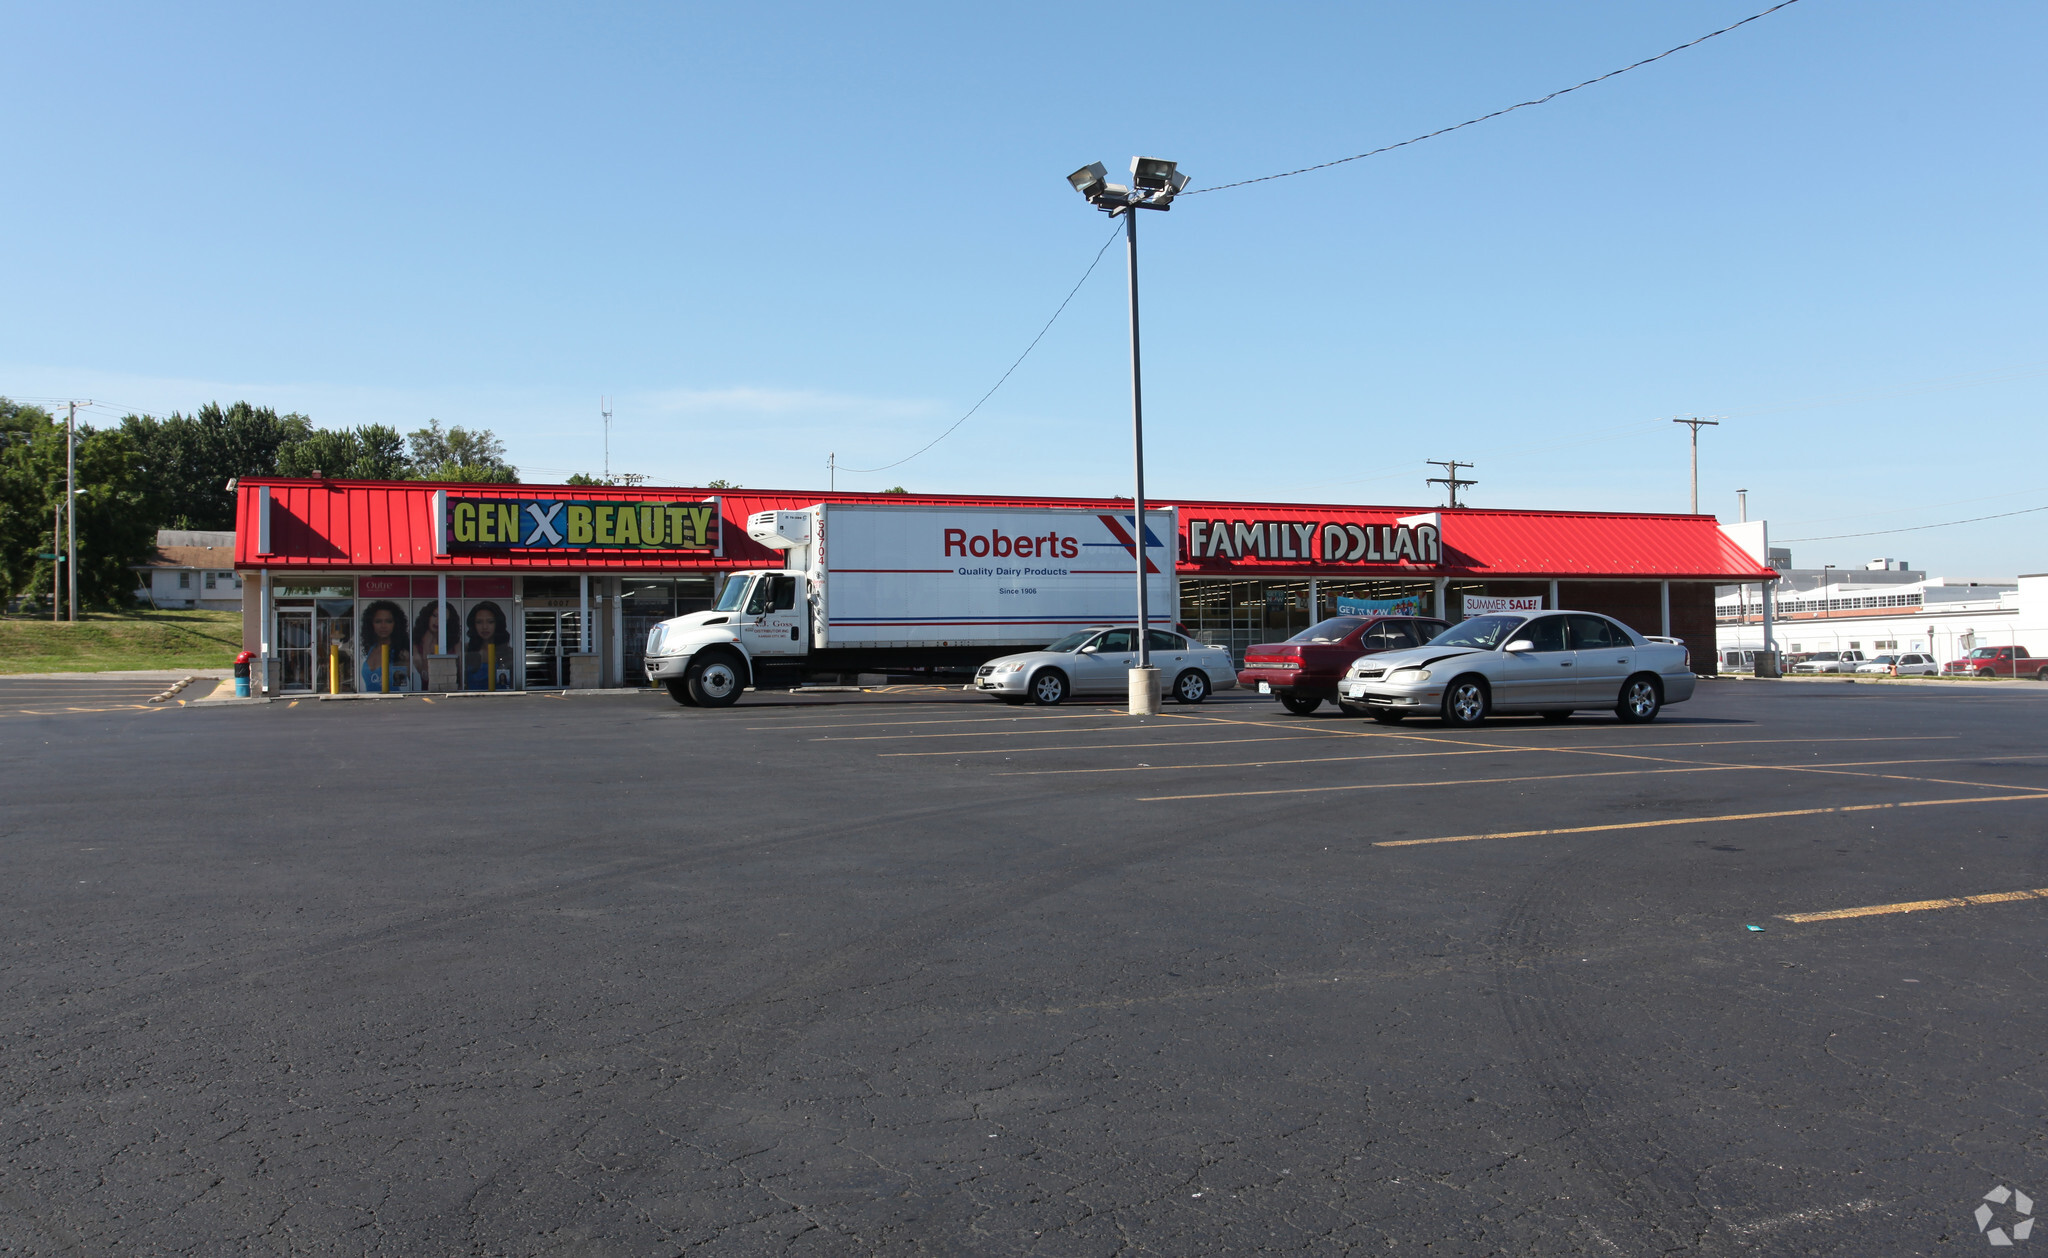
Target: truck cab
760, 628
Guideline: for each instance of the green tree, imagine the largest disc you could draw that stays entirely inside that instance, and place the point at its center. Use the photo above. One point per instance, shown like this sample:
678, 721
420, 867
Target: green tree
189, 459
722, 483
459, 454
116, 520
371, 452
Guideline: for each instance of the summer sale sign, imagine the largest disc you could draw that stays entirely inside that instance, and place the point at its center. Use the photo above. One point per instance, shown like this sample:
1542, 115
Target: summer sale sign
486, 524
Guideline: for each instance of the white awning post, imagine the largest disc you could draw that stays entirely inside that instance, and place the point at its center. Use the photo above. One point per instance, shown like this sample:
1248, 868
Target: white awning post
441, 613
583, 613
1664, 607
1553, 596
1443, 586
1315, 605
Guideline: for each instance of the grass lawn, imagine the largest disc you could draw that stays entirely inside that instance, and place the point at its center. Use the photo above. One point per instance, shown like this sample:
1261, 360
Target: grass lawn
105, 641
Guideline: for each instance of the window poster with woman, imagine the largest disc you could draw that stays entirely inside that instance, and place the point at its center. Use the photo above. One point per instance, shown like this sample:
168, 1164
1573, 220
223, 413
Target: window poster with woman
427, 619
384, 652
486, 647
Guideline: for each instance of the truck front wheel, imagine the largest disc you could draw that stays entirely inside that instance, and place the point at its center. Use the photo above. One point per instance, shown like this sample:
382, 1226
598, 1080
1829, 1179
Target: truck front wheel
679, 690
715, 682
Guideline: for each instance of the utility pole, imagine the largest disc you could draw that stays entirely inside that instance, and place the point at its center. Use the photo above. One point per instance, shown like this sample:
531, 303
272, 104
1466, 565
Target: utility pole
1696, 425
57, 566
71, 507
1449, 480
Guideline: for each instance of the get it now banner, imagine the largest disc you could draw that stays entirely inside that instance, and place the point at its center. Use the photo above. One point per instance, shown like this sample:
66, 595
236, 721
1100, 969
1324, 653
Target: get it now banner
487, 524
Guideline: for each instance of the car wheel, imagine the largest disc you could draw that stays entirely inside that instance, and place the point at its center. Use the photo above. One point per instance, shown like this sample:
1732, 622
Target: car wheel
1049, 687
1465, 702
2042, 675
1985, 672
715, 682
1386, 716
1558, 717
1191, 686
1640, 700
1299, 705
679, 690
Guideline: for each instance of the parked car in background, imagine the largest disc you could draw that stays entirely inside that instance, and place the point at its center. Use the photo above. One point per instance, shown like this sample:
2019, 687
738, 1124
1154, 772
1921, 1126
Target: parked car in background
1304, 670
1830, 662
1738, 661
1099, 661
1998, 661
1552, 663
1911, 664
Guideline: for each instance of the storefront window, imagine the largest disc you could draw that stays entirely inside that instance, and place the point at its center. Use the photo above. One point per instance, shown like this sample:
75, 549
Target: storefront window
645, 602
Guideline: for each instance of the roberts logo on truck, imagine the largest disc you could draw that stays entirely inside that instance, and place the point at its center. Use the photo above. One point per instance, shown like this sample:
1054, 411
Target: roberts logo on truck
996, 544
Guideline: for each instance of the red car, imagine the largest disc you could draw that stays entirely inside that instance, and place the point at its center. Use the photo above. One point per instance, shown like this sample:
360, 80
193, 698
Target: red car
1304, 670
1998, 661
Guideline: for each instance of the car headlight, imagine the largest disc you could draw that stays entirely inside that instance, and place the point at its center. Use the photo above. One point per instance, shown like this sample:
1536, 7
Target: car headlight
1010, 667
1407, 676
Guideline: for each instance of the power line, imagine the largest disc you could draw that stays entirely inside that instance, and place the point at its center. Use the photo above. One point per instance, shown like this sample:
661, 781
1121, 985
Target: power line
1118, 231
1541, 100
1450, 480
1915, 528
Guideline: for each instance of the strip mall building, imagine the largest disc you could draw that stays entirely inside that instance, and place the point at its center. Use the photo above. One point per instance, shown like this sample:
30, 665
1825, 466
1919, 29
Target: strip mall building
357, 579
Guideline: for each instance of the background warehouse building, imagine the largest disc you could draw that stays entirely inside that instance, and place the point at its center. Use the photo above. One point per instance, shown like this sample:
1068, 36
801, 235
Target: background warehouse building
354, 578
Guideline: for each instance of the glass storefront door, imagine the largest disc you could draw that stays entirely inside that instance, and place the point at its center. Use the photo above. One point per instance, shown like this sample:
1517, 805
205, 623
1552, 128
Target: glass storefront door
295, 649
550, 638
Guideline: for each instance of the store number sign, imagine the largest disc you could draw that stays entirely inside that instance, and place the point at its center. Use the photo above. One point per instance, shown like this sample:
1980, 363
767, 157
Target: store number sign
487, 524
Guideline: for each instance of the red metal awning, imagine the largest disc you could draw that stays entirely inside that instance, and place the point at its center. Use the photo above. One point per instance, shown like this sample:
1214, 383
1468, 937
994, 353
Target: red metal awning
388, 526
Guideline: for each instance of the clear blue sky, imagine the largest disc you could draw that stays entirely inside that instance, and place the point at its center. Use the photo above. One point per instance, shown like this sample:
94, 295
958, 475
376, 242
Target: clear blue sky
773, 232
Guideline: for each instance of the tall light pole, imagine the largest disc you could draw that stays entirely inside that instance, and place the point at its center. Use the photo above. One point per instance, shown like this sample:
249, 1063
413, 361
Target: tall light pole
1154, 184
1696, 425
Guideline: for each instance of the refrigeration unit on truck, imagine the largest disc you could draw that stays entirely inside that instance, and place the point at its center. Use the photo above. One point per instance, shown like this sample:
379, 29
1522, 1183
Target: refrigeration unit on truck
876, 588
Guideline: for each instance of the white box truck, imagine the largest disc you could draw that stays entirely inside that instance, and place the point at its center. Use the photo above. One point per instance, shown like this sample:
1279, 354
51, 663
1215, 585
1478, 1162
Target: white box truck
875, 588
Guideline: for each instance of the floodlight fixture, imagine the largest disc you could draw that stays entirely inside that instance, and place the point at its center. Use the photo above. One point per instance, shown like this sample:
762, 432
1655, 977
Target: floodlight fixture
1153, 174
1090, 179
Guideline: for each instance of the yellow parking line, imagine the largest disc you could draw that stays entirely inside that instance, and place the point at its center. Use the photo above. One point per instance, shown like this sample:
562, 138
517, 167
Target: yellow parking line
1917, 906
949, 720
1017, 751
1691, 821
1391, 786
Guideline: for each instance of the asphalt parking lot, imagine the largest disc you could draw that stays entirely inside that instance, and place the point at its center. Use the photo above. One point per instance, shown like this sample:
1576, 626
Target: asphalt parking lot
917, 973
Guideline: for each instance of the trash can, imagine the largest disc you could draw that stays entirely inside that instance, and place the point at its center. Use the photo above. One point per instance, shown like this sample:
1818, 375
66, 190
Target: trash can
1766, 663
242, 674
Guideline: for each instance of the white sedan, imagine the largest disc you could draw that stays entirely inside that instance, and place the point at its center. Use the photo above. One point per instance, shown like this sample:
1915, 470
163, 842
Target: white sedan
1911, 664
1099, 661
1552, 663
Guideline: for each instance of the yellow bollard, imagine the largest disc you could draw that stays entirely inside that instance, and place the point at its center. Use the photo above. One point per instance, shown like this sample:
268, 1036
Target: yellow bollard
384, 668
333, 669
490, 666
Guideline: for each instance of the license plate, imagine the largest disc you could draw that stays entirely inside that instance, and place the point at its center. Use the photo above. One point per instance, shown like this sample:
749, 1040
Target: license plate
1265, 687
1356, 690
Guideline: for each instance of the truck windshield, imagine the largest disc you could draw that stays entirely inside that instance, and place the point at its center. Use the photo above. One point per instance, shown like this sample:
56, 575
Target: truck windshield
1484, 632
1825, 655
1072, 641
734, 595
1984, 653
1335, 629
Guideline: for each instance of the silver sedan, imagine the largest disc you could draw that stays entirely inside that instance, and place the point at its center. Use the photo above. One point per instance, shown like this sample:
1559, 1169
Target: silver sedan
1552, 663
1099, 661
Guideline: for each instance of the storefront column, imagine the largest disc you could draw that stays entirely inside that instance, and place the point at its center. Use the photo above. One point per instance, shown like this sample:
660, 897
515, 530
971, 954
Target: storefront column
1443, 586
616, 588
1553, 596
583, 636
1315, 606
441, 615
264, 630
1664, 607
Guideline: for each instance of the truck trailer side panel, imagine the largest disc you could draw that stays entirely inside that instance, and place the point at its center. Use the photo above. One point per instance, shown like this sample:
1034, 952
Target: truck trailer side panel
918, 576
